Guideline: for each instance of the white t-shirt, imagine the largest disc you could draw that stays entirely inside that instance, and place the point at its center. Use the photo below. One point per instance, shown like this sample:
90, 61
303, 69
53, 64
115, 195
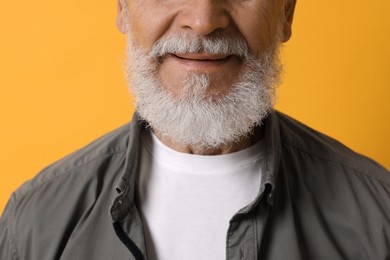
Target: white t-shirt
187, 200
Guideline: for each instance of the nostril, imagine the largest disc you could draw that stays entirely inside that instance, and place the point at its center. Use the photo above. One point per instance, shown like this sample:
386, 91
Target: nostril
203, 19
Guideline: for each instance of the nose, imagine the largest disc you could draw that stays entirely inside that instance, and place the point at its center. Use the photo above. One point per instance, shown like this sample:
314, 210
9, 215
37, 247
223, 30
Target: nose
203, 17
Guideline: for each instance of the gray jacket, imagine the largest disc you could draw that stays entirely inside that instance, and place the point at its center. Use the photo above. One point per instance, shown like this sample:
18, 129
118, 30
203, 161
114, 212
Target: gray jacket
318, 200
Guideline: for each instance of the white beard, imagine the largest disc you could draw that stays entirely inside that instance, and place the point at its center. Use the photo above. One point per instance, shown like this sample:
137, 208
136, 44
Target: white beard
195, 118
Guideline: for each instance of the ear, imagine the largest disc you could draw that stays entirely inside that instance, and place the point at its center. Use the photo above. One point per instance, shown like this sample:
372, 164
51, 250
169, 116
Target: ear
289, 9
120, 18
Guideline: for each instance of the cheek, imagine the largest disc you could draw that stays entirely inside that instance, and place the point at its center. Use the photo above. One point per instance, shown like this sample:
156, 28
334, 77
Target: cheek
149, 21
258, 27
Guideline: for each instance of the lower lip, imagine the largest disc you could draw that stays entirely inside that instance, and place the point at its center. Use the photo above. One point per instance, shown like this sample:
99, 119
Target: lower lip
202, 64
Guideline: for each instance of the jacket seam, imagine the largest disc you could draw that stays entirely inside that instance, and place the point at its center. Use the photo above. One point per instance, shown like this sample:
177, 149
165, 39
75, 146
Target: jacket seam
255, 242
64, 173
12, 238
382, 181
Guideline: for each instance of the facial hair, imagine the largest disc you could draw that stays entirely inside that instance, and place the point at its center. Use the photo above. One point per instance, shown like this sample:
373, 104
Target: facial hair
195, 118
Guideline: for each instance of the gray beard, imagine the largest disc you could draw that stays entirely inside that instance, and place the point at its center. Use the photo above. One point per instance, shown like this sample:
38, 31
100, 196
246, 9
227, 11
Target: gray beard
196, 119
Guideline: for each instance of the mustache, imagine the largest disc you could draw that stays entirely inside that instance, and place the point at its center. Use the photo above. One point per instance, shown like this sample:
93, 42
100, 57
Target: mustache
217, 43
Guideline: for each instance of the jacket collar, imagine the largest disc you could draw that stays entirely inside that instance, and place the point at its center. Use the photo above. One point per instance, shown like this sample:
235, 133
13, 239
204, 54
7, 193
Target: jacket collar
272, 153
125, 188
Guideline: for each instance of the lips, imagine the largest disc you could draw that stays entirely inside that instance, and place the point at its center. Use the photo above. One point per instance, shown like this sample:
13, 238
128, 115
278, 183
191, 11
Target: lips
202, 56
202, 62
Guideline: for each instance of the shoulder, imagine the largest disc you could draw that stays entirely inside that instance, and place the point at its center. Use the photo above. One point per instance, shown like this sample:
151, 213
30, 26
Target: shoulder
79, 163
79, 186
73, 184
317, 147
334, 194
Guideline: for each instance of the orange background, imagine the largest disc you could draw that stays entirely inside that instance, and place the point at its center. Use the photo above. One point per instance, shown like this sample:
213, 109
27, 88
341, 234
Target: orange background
62, 84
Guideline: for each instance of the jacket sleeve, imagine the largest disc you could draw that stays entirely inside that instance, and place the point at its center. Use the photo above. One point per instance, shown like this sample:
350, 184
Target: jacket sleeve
7, 243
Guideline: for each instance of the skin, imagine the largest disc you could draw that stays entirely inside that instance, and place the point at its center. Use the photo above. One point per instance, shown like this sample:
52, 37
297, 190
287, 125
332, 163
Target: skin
253, 20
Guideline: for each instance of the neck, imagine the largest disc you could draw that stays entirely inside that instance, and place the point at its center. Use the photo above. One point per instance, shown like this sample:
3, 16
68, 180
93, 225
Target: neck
243, 143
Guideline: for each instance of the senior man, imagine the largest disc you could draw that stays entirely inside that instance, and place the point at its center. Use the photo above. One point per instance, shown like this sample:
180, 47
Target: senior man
206, 169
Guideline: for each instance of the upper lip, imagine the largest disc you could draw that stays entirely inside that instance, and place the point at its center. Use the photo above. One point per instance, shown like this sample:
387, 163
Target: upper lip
201, 56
